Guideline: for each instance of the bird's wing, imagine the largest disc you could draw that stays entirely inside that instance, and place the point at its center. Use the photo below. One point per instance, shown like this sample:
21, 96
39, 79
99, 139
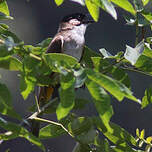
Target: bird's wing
56, 45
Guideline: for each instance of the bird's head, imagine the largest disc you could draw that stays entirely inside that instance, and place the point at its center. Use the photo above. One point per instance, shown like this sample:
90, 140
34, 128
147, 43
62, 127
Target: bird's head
76, 21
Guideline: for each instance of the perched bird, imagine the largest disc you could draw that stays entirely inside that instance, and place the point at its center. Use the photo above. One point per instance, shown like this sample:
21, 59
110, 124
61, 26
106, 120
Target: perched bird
68, 40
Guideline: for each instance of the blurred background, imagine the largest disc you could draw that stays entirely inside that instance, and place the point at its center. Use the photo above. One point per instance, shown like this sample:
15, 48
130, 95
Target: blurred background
37, 20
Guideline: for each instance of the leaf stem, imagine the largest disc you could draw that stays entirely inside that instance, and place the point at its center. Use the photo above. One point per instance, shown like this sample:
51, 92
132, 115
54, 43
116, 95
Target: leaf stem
35, 56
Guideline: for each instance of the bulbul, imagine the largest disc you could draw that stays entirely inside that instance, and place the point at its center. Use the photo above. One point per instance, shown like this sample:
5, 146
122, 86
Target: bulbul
68, 40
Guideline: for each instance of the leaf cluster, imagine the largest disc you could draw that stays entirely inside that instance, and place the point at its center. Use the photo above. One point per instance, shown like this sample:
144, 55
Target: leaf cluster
104, 75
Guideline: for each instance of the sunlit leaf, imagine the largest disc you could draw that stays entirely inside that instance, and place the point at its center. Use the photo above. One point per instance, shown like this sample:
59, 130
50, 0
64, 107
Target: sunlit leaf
10, 63
132, 54
147, 99
81, 2
67, 96
142, 134
119, 136
149, 139
145, 2
26, 87
137, 132
147, 148
116, 88
125, 4
5, 17
93, 9
4, 8
102, 102
59, 2
110, 8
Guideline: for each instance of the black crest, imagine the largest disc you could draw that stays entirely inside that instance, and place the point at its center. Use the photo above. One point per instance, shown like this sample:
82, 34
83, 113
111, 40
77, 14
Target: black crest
78, 16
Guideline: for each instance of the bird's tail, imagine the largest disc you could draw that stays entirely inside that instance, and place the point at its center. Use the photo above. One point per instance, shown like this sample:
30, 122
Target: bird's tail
45, 94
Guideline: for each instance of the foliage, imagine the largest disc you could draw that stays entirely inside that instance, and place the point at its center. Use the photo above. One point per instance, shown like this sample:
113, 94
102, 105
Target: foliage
103, 74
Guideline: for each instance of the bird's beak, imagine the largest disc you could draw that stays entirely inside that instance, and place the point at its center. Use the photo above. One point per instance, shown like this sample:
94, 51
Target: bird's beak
88, 19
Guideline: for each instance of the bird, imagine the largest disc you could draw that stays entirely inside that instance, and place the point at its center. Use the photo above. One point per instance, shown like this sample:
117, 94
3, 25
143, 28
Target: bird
69, 40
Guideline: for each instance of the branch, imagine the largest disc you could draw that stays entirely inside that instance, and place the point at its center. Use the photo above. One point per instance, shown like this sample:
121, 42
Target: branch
54, 123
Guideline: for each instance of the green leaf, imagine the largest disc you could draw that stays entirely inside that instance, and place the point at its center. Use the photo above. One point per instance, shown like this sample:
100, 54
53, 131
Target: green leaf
147, 99
132, 54
10, 63
59, 2
80, 103
51, 131
126, 5
119, 136
79, 126
109, 8
5, 33
4, 8
18, 131
145, 2
93, 9
87, 54
102, 145
5, 17
81, 148
6, 107
80, 77
26, 87
45, 43
121, 76
57, 61
116, 88
34, 50
87, 137
138, 5
147, 148
102, 102
67, 95
144, 63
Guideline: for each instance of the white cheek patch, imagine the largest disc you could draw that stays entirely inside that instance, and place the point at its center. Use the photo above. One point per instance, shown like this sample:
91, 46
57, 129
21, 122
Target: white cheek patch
74, 22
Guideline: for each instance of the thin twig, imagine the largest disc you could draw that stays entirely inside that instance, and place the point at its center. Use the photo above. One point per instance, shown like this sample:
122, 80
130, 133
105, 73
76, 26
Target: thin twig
54, 123
37, 104
41, 109
134, 70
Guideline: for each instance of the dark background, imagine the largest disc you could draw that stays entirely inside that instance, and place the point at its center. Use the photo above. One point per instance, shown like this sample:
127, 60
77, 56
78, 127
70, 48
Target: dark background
38, 19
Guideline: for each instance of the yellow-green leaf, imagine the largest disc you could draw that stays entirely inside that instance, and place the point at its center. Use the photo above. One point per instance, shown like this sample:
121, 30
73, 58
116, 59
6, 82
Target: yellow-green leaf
93, 9
137, 132
4, 8
59, 2
126, 5
149, 139
142, 134
145, 2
